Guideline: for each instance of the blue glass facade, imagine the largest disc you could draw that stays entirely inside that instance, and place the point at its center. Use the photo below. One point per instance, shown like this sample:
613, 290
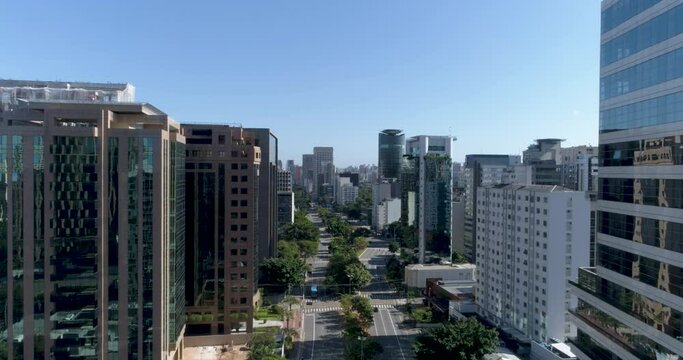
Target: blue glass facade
652, 72
628, 297
654, 31
623, 10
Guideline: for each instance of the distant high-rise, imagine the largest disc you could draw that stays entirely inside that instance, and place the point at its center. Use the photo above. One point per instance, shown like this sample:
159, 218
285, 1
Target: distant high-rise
431, 156
631, 304
480, 170
308, 173
391, 149
93, 239
324, 170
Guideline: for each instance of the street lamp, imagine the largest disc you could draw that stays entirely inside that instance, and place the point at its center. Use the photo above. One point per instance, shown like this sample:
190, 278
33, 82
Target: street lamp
361, 339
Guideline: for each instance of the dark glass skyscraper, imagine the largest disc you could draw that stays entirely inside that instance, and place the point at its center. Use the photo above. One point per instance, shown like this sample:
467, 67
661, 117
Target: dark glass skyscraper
392, 145
630, 306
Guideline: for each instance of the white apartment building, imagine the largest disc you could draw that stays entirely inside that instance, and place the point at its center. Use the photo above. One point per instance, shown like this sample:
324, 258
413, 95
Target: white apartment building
386, 212
346, 192
531, 239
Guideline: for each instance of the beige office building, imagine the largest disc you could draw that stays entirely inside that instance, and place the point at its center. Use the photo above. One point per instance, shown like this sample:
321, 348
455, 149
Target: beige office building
222, 205
91, 230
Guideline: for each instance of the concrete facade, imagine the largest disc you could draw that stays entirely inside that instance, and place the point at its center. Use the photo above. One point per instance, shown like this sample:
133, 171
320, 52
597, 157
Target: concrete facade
416, 275
222, 193
531, 239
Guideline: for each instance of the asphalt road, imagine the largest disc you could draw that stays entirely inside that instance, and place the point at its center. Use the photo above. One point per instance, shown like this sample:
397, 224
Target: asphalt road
322, 320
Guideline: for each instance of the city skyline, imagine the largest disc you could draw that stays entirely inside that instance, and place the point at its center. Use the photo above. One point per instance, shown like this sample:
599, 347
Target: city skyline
357, 74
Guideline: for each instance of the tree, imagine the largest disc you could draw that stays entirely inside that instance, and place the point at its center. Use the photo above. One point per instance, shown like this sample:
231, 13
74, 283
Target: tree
287, 272
464, 340
346, 271
307, 248
358, 276
360, 243
422, 315
457, 258
339, 227
357, 307
262, 346
302, 199
357, 319
393, 246
298, 231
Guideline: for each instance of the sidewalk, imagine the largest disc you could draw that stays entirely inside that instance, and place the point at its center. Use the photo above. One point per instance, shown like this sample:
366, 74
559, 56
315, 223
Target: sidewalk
297, 323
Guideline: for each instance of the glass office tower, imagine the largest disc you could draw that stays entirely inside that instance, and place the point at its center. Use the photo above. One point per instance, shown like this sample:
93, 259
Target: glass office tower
631, 304
392, 144
92, 228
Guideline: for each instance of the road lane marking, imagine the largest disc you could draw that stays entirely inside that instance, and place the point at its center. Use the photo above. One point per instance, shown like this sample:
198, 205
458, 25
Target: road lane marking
313, 343
395, 333
382, 321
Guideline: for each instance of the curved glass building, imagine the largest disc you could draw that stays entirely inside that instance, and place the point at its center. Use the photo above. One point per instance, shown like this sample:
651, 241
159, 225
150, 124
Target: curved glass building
392, 144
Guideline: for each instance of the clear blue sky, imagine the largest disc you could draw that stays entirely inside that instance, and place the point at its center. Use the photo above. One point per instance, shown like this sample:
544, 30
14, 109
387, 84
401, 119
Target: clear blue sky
496, 74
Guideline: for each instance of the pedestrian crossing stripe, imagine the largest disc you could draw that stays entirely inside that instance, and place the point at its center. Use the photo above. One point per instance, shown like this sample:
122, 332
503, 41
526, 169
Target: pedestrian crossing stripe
338, 308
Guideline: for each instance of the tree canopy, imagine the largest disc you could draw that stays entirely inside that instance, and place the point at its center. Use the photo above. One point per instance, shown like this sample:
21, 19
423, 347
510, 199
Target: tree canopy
262, 347
346, 271
357, 319
301, 230
285, 271
464, 340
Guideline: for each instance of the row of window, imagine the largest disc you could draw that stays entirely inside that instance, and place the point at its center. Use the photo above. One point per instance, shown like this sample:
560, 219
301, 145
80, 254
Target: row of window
655, 314
660, 275
637, 343
656, 30
623, 10
656, 111
656, 233
653, 192
661, 151
209, 166
655, 71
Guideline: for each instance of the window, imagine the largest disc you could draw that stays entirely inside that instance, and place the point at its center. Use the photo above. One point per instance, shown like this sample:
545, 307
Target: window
221, 139
243, 191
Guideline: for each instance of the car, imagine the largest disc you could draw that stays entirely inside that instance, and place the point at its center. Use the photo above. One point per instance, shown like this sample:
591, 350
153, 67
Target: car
375, 309
309, 302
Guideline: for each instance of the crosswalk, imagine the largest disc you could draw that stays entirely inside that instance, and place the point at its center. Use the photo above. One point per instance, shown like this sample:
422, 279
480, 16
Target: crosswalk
374, 296
338, 308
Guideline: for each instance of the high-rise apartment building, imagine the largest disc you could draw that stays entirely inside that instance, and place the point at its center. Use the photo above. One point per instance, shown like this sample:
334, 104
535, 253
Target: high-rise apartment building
284, 180
391, 149
267, 200
93, 226
433, 188
531, 239
222, 180
631, 304
285, 198
480, 170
